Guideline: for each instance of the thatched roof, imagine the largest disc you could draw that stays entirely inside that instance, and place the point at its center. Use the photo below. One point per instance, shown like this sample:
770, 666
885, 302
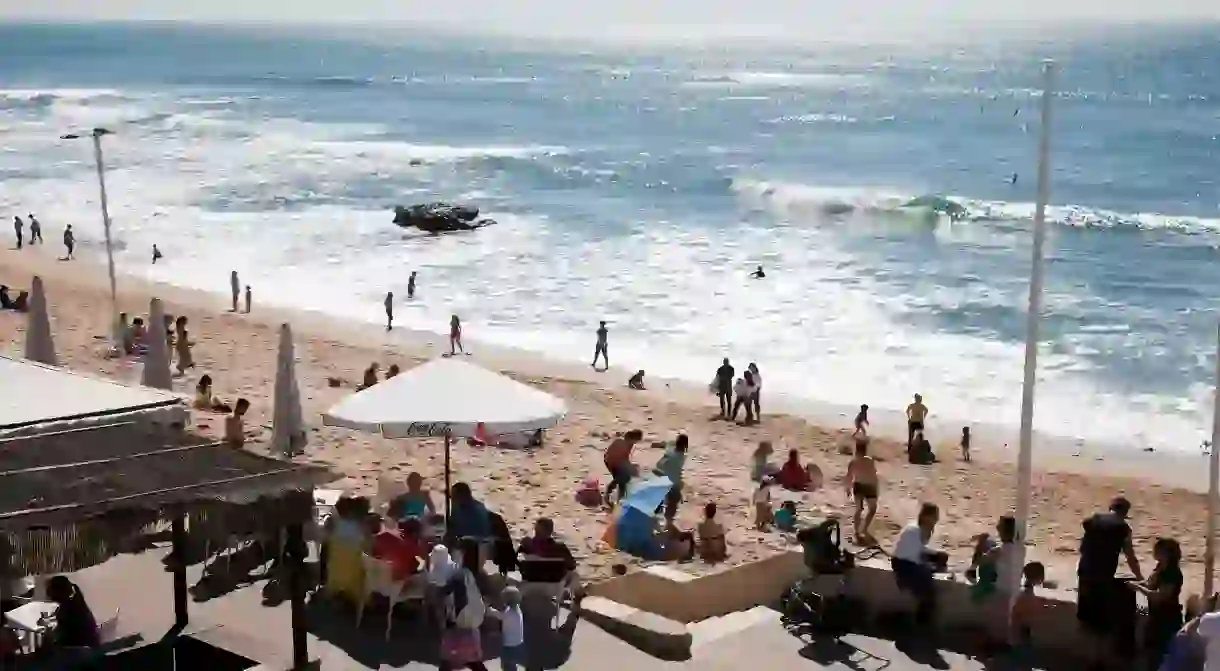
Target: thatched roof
71, 476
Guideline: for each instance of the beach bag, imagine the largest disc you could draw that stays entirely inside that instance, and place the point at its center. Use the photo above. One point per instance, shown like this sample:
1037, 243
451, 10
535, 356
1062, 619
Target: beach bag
823, 549
590, 493
468, 607
461, 647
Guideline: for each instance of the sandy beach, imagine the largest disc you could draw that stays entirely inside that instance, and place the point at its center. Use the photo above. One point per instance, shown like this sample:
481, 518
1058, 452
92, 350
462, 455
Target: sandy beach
238, 351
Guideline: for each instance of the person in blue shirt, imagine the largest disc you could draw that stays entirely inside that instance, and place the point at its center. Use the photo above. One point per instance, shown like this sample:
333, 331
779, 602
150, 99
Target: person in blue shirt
785, 517
670, 465
470, 518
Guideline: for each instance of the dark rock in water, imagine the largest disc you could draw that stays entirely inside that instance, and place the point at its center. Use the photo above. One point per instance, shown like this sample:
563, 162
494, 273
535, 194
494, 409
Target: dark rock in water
440, 217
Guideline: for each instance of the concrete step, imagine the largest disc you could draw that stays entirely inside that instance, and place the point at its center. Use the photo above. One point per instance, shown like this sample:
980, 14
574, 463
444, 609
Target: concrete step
715, 628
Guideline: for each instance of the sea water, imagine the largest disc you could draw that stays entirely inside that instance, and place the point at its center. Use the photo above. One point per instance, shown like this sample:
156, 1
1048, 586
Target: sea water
642, 185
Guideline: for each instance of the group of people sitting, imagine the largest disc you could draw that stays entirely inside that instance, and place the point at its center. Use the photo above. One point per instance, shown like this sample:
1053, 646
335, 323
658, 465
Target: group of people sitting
20, 304
370, 375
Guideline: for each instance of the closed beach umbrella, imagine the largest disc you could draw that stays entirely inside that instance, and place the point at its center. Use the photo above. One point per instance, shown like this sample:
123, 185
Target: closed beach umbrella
39, 346
288, 428
156, 356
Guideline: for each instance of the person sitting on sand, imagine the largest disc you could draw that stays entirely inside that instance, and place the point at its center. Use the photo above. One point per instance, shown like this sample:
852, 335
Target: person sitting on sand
795, 477
760, 466
6, 303
22, 302
204, 400
415, 502
677, 545
785, 517
392, 371
764, 516
138, 333
235, 427
370, 376
862, 485
637, 381
921, 453
712, 544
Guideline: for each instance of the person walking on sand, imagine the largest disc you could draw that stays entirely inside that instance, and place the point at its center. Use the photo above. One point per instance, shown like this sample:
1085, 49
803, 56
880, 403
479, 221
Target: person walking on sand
455, 336
19, 230
70, 242
601, 349
234, 289
723, 385
249, 299
861, 422
411, 286
35, 230
917, 412
182, 346
156, 254
389, 310
863, 486
966, 444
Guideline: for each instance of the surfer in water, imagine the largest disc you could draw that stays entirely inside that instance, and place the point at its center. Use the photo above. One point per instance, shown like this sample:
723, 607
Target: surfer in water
758, 273
1013, 180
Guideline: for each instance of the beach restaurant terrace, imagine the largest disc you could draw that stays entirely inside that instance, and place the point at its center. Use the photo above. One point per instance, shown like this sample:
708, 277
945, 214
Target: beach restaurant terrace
72, 498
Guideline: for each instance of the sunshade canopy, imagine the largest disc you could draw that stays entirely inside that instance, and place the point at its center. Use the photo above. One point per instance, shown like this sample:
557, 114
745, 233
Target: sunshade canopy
447, 396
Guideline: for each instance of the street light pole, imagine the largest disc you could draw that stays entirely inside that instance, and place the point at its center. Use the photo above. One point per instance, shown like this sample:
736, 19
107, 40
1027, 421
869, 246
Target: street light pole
116, 328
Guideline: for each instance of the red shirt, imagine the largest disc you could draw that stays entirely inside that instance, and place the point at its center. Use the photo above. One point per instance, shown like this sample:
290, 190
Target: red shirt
402, 553
793, 476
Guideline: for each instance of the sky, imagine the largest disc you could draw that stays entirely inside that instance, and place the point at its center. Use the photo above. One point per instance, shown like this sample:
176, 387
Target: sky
645, 18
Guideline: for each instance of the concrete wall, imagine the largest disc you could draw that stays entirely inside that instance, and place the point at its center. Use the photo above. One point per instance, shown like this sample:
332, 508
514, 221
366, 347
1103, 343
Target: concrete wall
685, 598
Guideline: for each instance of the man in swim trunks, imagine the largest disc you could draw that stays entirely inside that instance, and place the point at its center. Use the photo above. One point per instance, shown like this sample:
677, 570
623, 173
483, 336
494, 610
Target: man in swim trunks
862, 421
618, 462
863, 485
724, 387
602, 348
917, 412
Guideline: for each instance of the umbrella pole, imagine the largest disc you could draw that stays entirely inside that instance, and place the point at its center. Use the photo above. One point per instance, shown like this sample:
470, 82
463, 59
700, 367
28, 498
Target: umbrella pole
448, 506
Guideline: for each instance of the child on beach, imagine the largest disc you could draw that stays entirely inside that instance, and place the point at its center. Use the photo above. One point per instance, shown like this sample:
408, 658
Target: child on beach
1025, 610
249, 299
785, 517
712, 544
966, 443
183, 346
512, 630
235, 427
764, 516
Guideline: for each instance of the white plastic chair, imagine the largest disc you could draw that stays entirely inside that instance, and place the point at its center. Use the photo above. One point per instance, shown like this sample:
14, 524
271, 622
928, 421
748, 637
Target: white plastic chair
107, 631
379, 579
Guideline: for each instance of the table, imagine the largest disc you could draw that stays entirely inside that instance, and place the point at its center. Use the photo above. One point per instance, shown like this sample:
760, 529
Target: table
25, 619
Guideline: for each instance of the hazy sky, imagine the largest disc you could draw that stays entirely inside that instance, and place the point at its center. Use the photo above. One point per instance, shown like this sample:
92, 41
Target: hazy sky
626, 17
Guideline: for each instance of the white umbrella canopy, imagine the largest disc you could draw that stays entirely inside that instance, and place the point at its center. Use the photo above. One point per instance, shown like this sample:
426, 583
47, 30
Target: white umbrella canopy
156, 357
447, 397
288, 428
39, 345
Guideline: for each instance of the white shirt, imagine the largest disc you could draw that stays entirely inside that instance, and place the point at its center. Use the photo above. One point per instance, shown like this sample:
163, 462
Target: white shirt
910, 546
1209, 631
512, 626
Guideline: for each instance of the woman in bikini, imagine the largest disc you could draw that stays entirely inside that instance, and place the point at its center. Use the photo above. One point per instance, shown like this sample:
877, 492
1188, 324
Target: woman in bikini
862, 484
455, 336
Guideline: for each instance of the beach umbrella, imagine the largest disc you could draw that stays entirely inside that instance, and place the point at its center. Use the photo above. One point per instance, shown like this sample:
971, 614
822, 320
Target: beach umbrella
39, 345
156, 355
447, 398
646, 494
288, 427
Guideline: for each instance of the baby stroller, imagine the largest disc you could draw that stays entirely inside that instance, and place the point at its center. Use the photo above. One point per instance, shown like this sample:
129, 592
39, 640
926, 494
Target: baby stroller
804, 608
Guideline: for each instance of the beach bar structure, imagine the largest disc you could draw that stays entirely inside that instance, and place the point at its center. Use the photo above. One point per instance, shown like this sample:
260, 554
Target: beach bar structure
84, 478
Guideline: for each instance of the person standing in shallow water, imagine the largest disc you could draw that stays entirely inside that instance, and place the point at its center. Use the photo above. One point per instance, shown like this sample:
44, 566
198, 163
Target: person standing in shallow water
234, 289
411, 286
724, 387
249, 299
35, 231
917, 412
601, 349
19, 231
156, 255
389, 311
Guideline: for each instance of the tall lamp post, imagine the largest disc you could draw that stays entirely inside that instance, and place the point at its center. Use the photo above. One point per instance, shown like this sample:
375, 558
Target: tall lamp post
1034, 318
116, 329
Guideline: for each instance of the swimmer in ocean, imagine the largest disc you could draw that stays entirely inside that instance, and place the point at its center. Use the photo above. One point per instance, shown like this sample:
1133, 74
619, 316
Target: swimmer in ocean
1013, 180
758, 273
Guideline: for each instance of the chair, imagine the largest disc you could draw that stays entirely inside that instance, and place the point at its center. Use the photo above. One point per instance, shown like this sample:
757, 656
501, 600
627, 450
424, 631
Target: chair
107, 631
379, 579
549, 577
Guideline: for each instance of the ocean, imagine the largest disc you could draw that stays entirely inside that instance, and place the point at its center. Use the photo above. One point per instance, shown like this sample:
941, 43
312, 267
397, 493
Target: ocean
642, 184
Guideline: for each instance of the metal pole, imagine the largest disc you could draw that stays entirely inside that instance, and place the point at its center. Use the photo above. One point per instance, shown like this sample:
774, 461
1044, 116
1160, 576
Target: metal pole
116, 331
1033, 322
1213, 486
